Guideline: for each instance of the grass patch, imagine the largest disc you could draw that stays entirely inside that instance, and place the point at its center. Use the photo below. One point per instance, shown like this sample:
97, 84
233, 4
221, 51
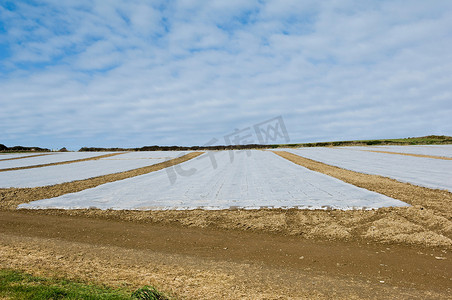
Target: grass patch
19, 285
425, 140
148, 293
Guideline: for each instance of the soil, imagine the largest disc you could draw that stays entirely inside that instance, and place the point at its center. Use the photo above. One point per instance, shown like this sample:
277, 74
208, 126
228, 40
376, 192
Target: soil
196, 263
411, 154
398, 253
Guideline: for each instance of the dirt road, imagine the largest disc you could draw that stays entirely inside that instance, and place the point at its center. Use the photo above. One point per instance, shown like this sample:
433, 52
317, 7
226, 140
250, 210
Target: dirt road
202, 263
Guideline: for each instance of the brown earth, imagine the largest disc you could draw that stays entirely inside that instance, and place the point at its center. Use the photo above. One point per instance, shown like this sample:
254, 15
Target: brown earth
196, 263
411, 154
401, 253
61, 163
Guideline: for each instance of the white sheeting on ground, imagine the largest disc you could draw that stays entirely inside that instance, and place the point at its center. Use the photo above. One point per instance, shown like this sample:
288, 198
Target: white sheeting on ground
17, 155
427, 172
82, 170
48, 159
146, 155
262, 179
435, 150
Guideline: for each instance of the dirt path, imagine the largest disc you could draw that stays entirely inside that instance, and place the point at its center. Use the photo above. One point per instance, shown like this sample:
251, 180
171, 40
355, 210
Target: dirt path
411, 154
219, 264
61, 163
22, 157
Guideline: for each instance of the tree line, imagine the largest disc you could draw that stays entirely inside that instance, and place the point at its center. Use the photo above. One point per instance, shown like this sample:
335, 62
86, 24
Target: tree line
22, 148
181, 148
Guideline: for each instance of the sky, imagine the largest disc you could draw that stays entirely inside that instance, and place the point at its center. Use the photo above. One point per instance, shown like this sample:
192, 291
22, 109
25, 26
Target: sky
133, 73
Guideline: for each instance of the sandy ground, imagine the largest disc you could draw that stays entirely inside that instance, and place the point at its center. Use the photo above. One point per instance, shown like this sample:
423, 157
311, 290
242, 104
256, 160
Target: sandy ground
401, 253
411, 154
197, 263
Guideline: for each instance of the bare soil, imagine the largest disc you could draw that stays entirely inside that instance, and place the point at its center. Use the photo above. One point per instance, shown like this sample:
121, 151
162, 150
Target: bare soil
196, 263
411, 154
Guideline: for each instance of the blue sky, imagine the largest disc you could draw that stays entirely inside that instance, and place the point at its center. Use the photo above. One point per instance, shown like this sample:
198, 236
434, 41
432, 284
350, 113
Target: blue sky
134, 73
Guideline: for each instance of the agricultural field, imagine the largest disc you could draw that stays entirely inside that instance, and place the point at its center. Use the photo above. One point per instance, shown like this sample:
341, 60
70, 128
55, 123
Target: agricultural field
77, 170
443, 151
430, 172
311, 223
44, 159
253, 180
5, 156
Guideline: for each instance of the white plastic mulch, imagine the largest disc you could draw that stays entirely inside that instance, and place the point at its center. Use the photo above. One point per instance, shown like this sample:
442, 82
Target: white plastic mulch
45, 176
17, 155
434, 150
47, 159
212, 181
427, 172
147, 155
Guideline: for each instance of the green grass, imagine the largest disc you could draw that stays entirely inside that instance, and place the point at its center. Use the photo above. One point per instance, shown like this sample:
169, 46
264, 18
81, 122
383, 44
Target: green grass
148, 293
19, 285
425, 140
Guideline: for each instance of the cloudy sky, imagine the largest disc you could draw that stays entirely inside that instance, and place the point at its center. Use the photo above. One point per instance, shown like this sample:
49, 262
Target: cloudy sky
133, 73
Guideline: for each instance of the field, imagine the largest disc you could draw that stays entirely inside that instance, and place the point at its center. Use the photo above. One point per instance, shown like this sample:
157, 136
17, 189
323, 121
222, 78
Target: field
366, 222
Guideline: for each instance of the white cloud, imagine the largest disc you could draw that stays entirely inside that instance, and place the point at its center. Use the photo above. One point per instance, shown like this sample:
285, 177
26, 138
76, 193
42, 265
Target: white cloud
131, 74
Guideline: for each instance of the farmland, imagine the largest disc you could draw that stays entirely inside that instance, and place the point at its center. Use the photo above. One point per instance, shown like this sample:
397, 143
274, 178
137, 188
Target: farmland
338, 222
260, 180
78, 170
428, 172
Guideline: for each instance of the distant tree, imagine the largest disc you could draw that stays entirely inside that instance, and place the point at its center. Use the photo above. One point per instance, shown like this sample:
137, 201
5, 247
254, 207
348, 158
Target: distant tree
3, 147
63, 150
34, 149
